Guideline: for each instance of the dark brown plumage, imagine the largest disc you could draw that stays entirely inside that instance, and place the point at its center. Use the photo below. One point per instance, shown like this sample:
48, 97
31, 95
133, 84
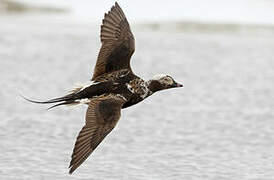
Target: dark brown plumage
117, 43
102, 115
114, 86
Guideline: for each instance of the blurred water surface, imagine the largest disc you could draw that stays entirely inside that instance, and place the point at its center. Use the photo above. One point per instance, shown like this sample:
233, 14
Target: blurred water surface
220, 11
219, 126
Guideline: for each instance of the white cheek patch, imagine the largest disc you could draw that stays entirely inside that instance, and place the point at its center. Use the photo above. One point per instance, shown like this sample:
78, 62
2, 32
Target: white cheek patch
170, 82
158, 77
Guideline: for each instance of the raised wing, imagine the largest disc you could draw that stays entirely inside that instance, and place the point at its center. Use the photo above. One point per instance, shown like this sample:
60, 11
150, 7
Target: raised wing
118, 43
102, 115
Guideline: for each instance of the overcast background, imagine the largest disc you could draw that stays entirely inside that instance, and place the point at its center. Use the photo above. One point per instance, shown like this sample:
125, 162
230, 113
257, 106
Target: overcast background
222, 11
218, 126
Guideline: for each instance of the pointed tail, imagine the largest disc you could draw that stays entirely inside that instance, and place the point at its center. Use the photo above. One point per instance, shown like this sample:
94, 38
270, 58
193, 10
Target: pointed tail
65, 100
77, 94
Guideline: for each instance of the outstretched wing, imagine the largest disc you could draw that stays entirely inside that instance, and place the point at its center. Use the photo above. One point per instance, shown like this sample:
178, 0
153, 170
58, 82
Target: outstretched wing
102, 115
117, 43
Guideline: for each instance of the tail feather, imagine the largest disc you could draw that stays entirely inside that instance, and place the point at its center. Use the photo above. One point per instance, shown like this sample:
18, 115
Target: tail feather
68, 99
55, 100
78, 95
62, 103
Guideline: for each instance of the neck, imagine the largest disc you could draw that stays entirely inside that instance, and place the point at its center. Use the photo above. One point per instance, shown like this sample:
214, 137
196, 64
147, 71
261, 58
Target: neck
154, 86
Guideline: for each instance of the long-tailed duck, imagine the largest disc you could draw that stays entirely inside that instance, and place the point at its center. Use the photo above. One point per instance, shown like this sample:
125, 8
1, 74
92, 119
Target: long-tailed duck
113, 87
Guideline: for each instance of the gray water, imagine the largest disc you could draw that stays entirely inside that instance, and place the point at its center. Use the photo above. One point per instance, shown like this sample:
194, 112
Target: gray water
219, 126
222, 11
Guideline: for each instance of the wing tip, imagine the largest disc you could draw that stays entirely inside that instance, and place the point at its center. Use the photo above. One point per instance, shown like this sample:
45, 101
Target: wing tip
71, 171
71, 167
117, 5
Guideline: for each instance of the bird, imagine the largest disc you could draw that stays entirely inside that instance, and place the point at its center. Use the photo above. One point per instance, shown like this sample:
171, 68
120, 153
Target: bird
113, 86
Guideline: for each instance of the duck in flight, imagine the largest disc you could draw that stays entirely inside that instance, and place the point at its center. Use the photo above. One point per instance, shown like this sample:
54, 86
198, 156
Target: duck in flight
113, 87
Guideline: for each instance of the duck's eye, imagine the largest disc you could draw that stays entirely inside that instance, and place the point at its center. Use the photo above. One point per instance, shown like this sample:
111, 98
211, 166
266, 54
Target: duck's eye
168, 80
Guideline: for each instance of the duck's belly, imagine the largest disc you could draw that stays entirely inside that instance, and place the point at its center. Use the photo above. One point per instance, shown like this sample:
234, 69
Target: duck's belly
134, 99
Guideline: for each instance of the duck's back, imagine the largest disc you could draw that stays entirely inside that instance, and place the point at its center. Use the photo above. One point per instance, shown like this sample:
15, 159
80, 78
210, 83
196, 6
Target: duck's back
126, 84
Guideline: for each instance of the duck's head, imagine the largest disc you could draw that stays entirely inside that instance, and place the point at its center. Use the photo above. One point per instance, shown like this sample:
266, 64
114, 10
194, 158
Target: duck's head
161, 82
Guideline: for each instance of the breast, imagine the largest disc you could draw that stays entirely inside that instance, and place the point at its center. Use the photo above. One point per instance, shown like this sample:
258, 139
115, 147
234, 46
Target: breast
138, 88
134, 90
